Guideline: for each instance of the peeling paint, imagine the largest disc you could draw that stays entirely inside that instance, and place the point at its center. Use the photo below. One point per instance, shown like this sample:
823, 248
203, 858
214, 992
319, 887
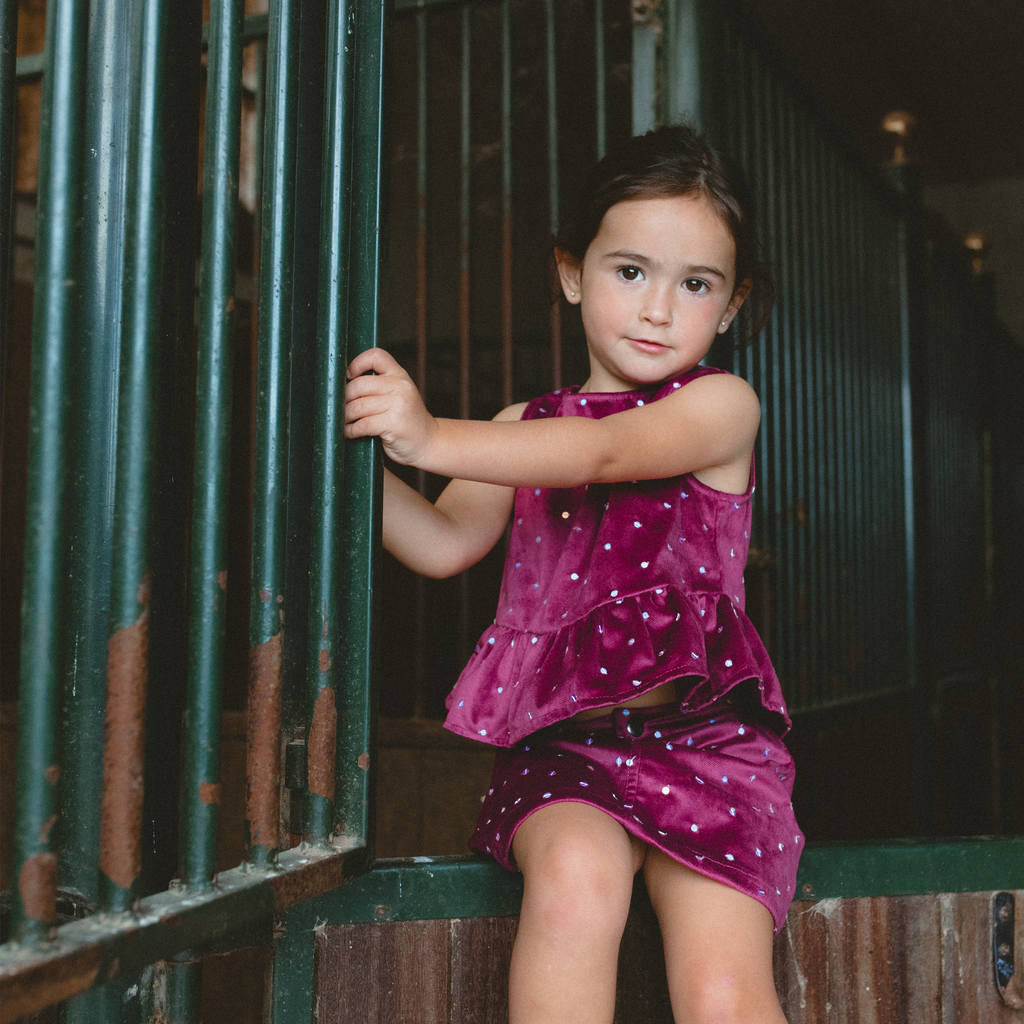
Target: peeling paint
222, 579
209, 792
37, 887
44, 832
325, 660
121, 812
265, 595
263, 763
52, 774
364, 760
322, 741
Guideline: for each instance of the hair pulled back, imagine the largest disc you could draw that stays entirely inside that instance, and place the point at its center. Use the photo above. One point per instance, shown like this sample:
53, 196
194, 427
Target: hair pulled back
676, 160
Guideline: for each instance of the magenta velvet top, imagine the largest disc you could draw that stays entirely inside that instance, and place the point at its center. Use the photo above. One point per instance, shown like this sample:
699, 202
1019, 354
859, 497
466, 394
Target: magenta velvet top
610, 590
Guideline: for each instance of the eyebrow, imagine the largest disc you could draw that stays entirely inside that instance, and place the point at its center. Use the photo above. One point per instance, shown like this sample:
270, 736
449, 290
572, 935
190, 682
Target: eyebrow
635, 257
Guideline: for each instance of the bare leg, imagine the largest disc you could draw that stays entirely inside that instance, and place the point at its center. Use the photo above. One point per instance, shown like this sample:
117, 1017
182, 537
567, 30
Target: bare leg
578, 865
718, 947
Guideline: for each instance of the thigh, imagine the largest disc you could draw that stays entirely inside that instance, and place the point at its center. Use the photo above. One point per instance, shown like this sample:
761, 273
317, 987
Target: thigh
718, 946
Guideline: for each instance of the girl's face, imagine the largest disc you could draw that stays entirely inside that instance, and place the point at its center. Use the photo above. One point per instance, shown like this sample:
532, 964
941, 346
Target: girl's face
656, 285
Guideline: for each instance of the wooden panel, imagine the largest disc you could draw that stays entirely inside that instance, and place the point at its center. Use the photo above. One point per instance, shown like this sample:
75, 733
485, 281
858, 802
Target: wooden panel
481, 951
801, 971
395, 972
968, 990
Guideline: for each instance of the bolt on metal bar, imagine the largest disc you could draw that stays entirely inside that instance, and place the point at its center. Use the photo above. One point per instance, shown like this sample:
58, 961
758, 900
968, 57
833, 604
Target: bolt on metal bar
553, 182
208, 577
35, 859
323, 665
93, 410
130, 577
355, 762
266, 615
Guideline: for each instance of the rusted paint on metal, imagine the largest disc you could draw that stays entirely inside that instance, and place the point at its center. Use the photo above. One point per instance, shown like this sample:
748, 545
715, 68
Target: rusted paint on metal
364, 760
264, 741
321, 745
222, 579
325, 660
50, 982
44, 832
209, 792
265, 595
37, 887
124, 734
52, 774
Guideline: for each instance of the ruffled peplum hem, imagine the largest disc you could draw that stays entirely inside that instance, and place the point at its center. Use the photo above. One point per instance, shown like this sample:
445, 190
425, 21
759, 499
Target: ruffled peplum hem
518, 682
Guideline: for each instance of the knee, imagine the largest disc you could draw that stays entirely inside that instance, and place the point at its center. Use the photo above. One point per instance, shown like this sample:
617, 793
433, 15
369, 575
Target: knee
577, 888
725, 998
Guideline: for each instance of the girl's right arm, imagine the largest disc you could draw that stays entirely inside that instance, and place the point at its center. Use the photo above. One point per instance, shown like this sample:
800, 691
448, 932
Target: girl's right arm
442, 539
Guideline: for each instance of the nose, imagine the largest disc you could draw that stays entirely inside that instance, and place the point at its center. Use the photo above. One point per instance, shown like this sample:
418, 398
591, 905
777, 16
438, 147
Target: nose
656, 308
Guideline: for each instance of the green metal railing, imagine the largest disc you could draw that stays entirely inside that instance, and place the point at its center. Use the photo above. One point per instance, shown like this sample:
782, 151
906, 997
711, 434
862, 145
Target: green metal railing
128, 564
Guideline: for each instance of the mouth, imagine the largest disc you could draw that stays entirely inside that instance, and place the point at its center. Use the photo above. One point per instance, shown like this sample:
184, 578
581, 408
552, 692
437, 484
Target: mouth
646, 345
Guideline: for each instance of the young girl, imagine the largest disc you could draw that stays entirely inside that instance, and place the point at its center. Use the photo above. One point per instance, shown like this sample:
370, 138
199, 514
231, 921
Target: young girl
637, 716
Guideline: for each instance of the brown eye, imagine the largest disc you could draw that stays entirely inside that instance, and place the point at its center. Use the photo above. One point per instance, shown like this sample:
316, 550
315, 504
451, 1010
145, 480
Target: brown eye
695, 285
630, 273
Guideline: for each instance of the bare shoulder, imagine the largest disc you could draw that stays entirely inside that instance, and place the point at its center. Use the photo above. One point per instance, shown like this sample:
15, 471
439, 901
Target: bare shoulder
718, 397
512, 412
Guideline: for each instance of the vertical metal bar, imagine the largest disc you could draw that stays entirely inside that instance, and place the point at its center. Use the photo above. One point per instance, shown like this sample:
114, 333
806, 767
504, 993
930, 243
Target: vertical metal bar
464, 214
8, 155
506, 203
465, 238
266, 615
291, 991
645, 70
553, 184
128, 649
600, 72
208, 578
35, 860
356, 758
322, 672
94, 390
422, 97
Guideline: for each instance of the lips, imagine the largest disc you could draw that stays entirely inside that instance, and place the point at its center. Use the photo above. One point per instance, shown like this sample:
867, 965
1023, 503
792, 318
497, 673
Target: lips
645, 345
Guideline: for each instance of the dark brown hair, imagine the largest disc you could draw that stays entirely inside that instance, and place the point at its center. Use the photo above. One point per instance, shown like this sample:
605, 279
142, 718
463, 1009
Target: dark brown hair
676, 160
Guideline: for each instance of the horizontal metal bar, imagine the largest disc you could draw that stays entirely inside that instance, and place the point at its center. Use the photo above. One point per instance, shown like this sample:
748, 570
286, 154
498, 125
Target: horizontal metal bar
100, 948
432, 888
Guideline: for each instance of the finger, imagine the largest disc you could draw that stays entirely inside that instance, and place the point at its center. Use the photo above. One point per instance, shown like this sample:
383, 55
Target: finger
366, 405
375, 360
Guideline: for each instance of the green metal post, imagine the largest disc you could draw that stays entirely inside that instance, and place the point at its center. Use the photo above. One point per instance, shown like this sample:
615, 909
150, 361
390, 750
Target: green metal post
266, 618
35, 859
690, 60
128, 647
94, 413
323, 672
361, 517
208, 579
8, 155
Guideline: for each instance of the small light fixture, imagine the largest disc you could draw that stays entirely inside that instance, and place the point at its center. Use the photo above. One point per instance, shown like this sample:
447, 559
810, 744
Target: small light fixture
978, 245
899, 123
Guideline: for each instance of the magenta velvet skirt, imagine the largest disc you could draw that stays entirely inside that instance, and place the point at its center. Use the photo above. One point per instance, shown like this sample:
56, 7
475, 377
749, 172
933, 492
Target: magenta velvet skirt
711, 788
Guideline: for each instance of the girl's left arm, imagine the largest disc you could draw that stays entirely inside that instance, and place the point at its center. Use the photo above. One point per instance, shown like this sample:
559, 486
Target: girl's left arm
707, 428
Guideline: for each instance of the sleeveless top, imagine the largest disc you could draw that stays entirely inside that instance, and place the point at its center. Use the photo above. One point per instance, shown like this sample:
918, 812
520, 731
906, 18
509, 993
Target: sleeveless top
610, 590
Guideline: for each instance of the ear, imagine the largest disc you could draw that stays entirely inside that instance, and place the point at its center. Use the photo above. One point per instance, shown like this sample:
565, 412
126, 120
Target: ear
570, 274
742, 291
